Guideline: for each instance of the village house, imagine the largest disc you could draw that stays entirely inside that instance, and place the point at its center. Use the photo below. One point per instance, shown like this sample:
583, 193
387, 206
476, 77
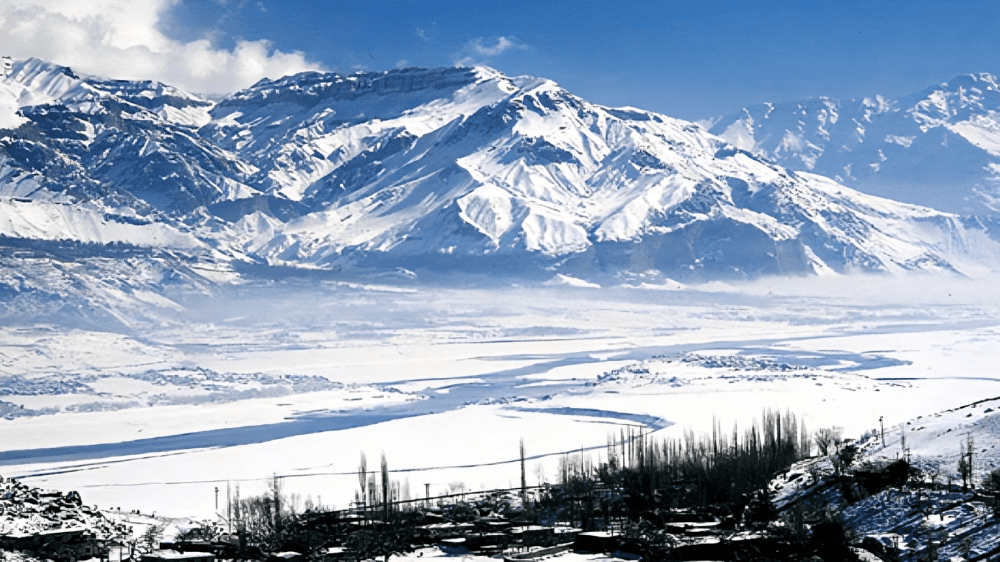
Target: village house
68, 544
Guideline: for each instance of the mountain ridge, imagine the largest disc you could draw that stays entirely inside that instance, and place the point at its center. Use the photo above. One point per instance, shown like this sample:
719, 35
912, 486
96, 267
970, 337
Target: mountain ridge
939, 147
433, 171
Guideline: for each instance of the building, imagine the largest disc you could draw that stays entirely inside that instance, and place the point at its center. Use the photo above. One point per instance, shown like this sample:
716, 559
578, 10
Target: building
68, 544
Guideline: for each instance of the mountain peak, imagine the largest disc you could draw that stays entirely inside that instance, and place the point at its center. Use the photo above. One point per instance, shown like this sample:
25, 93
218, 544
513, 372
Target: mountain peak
449, 169
314, 85
982, 80
42, 81
939, 147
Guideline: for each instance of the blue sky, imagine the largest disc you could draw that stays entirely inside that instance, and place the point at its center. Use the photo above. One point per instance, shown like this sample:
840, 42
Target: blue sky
687, 58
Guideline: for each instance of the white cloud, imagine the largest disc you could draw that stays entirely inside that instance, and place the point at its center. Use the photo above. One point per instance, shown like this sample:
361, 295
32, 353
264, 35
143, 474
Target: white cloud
121, 39
503, 44
475, 51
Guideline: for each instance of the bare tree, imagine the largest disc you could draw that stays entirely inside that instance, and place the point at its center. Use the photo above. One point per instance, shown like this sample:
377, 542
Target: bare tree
844, 456
991, 483
827, 439
964, 469
363, 480
902, 442
805, 444
540, 472
386, 486
150, 539
934, 473
256, 519
524, 480
969, 447
278, 502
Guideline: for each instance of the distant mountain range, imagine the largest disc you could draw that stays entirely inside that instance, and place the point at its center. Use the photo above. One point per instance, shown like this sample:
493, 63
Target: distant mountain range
437, 172
939, 147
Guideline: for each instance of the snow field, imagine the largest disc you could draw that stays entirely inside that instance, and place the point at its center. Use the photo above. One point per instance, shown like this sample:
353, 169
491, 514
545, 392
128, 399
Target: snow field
689, 356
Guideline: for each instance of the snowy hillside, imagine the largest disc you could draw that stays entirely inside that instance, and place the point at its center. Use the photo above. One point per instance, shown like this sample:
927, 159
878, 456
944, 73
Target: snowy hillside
124, 145
939, 147
467, 169
936, 509
429, 171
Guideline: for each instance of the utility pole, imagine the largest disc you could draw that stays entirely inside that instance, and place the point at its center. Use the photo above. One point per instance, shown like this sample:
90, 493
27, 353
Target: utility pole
216, 498
882, 427
427, 494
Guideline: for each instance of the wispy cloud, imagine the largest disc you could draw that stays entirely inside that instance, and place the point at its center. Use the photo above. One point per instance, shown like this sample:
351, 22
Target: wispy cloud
502, 44
480, 48
427, 32
122, 39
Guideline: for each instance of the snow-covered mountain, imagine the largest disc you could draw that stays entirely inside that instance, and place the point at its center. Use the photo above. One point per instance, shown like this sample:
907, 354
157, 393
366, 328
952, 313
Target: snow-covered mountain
436, 171
939, 147
467, 168
132, 146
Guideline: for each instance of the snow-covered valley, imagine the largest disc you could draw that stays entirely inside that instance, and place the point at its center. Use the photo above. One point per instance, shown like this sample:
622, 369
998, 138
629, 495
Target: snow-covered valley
298, 380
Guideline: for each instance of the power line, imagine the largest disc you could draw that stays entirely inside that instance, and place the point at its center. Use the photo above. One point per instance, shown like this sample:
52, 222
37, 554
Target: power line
307, 475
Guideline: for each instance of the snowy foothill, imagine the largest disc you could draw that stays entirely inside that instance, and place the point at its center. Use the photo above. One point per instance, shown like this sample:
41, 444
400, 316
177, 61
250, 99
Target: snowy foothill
297, 380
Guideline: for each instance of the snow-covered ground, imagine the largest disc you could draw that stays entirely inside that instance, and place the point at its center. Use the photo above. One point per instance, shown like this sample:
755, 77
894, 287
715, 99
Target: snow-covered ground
298, 381
437, 553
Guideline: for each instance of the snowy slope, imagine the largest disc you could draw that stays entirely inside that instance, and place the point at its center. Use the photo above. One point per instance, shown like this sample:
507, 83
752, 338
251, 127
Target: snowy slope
83, 239
460, 168
126, 144
939, 147
42, 220
940, 509
441, 170
905, 520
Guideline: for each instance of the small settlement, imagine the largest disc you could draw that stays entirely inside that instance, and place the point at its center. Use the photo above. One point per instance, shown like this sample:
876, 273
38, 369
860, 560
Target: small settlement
59, 527
475, 526
52, 524
665, 504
